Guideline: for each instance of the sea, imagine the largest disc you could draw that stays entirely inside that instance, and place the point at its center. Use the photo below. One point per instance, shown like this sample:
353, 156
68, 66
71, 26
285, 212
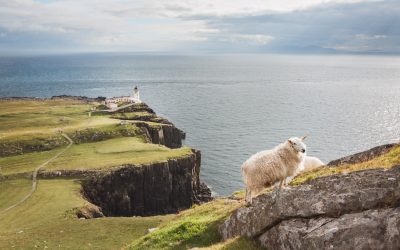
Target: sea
232, 106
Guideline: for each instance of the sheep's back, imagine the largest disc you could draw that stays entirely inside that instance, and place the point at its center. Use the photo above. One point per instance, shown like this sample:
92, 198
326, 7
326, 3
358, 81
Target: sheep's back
265, 166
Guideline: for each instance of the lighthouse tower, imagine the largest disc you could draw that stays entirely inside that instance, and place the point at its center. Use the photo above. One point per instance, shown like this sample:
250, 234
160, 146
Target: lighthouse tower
136, 94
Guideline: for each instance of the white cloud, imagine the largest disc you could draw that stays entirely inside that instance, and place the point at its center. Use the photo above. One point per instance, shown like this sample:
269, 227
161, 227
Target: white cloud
369, 37
257, 39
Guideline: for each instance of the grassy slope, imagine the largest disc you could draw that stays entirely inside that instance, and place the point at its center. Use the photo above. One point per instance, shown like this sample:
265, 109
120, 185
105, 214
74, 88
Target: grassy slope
114, 152
96, 155
196, 227
25, 163
30, 121
24, 117
12, 191
47, 219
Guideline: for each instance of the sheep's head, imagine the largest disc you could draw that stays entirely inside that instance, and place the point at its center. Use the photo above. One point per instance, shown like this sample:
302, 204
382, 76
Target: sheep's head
297, 144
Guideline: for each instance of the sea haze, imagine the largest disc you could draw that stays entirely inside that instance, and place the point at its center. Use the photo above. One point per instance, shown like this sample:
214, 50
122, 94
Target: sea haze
233, 106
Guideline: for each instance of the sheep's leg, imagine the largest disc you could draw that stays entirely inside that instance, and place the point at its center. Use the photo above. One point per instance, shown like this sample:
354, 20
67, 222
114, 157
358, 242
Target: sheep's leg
248, 197
277, 191
282, 183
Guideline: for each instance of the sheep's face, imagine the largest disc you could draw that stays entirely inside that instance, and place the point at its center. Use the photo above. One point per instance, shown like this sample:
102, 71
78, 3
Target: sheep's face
297, 144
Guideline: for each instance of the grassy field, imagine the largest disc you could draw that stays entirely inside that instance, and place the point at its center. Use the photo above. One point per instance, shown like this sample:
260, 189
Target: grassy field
95, 155
32, 116
32, 121
25, 163
47, 220
12, 191
114, 152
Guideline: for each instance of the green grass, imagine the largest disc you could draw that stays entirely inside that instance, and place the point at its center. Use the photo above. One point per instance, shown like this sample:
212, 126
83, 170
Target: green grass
195, 227
12, 191
387, 160
104, 132
25, 163
32, 117
114, 152
96, 155
47, 220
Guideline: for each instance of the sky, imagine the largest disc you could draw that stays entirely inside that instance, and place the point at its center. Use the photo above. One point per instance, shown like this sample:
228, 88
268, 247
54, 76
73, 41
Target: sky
207, 26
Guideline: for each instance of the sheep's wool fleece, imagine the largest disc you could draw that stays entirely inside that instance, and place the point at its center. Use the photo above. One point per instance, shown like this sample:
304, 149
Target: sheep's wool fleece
311, 163
267, 167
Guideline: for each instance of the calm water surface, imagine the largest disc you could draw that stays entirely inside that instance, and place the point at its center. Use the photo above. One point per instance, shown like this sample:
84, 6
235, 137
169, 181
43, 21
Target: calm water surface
234, 106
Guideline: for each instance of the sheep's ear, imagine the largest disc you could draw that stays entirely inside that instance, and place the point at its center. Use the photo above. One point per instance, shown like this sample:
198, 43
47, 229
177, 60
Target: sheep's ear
290, 141
303, 138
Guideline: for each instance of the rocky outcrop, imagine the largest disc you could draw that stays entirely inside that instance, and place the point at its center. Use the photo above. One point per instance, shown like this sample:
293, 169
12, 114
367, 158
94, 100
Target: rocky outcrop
159, 188
89, 211
363, 156
371, 229
359, 210
164, 134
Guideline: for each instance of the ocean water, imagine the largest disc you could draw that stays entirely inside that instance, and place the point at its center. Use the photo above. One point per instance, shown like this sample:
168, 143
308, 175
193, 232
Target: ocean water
235, 105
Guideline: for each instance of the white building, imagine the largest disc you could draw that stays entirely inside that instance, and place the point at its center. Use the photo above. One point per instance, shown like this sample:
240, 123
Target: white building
112, 103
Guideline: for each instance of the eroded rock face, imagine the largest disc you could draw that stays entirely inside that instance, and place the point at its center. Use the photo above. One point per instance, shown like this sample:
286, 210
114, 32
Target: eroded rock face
165, 134
309, 215
159, 188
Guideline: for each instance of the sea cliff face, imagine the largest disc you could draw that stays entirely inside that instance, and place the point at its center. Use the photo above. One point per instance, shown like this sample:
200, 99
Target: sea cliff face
165, 134
159, 188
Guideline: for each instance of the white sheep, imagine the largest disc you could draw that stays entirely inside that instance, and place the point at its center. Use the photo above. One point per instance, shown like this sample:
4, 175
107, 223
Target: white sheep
309, 163
267, 167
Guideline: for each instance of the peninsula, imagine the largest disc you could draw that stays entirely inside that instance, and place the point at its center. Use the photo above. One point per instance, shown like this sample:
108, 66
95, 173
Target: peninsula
86, 173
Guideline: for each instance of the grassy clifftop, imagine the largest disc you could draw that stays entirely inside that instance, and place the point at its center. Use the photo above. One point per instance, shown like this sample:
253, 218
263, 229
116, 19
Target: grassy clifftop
30, 136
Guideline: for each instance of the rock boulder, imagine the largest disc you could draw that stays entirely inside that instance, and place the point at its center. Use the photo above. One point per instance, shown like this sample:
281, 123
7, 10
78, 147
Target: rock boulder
318, 213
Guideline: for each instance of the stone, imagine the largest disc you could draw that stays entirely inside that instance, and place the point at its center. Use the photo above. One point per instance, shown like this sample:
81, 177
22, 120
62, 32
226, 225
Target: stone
150, 230
371, 229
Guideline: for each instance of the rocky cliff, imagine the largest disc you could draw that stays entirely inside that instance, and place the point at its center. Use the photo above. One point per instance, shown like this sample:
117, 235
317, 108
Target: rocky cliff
159, 188
358, 210
163, 134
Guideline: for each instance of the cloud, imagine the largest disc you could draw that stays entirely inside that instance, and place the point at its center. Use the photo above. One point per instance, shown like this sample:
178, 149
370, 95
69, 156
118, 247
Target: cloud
256, 39
209, 25
366, 27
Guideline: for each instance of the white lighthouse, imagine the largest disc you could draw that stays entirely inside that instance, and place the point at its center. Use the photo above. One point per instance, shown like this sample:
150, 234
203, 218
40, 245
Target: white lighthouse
136, 94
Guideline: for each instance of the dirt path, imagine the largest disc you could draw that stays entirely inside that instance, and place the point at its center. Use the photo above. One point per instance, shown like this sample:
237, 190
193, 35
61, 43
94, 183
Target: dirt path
34, 175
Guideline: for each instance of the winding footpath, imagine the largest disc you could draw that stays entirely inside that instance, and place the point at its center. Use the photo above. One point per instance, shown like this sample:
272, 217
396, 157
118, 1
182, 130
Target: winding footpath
34, 175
